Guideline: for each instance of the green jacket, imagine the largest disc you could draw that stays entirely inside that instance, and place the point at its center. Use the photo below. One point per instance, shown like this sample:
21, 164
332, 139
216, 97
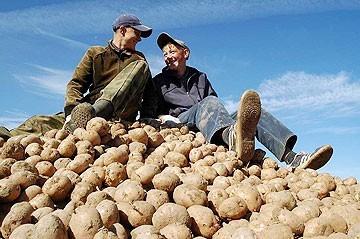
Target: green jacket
95, 71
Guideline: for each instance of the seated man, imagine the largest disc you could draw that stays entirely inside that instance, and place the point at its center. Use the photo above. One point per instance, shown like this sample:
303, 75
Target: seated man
114, 78
183, 94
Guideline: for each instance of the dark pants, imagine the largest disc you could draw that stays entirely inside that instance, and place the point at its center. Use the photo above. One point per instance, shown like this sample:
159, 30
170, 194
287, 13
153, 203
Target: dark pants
210, 116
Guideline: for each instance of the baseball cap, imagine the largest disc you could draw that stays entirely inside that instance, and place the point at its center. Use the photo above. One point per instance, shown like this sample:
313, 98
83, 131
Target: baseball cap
164, 38
132, 21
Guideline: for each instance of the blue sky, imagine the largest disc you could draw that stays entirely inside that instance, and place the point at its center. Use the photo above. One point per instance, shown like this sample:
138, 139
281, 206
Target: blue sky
302, 56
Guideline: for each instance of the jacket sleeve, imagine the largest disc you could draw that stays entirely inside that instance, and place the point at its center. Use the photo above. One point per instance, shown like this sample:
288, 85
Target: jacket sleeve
209, 90
80, 82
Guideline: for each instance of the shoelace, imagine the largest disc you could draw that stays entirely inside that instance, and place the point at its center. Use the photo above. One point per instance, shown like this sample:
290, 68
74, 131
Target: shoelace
231, 137
303, 157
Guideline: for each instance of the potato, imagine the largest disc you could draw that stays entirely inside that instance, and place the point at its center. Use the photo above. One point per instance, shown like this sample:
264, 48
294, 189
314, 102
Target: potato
58, 188
155, 159
98, 124
33, 160
61, 163
316, 227
281, 231
138, 135
51, 143
119, 230
268, 174
21, 166
145, 173
129, 191
204, 223
45, 168
80, 163
23, 231
94, 198
139, 213
114, 174
112, 155
137, 147
110, 191
188, 195
220, 169
74, 177
132, 166
9, 190
67, 148
5, 167
207, 172
108, 212
155, 139
290, 219
104, 233
81, 191
176, 159
94, 175
176, 231
41, 200
157, 197
33, 149
336, 221
39, 213
24, 178
166, 181
216, 196
184, 148
195, 155
284, 198
143, 230
20, 213
249, 194
221, 182
85, 147
50, 154
244, 233
196, 180
90, 135
12, 150
29, 193
232, 208
85, 222
170, 213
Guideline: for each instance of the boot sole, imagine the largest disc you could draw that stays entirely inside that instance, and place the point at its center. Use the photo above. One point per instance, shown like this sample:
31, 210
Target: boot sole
248, 116
80, 115
319, 158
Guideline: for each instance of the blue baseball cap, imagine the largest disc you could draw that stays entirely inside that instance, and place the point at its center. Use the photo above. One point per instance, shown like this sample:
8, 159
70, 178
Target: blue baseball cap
132, 21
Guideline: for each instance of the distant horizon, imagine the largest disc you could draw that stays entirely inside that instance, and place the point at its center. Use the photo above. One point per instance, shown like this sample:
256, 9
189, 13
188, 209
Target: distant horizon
302, 57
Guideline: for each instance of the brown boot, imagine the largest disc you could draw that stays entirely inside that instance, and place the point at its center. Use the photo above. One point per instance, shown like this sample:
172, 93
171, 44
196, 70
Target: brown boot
80, 115
247, 118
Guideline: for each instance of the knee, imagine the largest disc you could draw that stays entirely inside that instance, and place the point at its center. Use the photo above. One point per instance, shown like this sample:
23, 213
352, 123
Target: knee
210, 99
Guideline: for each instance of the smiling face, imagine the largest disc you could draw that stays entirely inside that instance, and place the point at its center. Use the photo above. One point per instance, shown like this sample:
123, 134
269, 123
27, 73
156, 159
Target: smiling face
175, 57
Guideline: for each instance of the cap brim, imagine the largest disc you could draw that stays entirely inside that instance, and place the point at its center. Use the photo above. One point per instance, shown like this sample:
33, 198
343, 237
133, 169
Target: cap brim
164, 39
145, 31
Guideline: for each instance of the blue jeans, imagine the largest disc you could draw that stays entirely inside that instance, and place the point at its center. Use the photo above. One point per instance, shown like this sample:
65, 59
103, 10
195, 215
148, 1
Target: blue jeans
210, 116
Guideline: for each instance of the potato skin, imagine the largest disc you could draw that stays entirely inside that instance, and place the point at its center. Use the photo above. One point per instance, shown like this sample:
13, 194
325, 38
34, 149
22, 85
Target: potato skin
9, 190
170, 213
20, 213
85, 222
50, 227
58, 188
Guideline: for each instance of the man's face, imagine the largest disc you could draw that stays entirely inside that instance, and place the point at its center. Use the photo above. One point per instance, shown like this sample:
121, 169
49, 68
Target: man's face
175, 56
131, 37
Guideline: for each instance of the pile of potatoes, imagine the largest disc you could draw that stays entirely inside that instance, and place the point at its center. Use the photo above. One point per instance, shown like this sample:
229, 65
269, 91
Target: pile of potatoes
120, 180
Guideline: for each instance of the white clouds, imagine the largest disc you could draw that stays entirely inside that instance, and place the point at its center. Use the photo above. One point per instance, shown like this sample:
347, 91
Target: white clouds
47, 81
96, 16
310, 92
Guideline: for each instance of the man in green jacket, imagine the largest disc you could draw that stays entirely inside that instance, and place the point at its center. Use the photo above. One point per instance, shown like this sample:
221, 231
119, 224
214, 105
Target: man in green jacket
114, 77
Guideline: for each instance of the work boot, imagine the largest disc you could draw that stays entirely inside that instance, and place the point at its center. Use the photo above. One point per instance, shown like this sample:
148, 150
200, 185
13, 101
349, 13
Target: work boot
79, 117
242, 134
314, 160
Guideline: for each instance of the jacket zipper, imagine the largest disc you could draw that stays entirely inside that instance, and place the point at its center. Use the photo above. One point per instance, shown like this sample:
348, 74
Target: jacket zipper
187, 88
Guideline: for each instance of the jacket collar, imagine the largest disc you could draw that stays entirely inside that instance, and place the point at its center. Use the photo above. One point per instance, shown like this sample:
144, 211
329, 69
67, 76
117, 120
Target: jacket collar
120, 52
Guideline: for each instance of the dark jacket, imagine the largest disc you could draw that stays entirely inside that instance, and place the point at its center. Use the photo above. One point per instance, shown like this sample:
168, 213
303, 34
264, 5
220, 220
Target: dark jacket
95, 71
168, 95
